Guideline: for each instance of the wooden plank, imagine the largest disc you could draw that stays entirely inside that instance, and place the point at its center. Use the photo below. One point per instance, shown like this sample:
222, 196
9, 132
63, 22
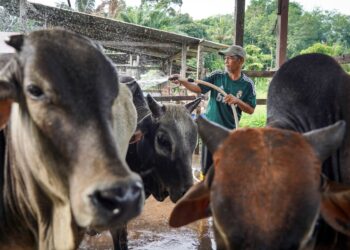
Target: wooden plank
174, 98
142, 44
282, 32
343, 59
261, 101
252, 73
23, 15
200, 62
239, 22
127, 66
183, 60
137, 50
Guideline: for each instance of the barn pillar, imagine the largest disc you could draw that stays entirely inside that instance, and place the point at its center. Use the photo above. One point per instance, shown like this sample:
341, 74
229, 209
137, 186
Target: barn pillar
239, 22
282, 31
23, 15
183, 60
200, 61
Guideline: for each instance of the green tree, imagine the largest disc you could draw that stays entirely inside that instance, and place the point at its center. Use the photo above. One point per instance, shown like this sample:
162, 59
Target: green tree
114, 7
260, 25
256, 59
337, 29
334, 50
146, 16
86, 6
11, 23
219, 28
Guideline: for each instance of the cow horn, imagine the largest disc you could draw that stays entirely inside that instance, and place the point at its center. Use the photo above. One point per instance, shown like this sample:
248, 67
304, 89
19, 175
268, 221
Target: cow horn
192, 105
156, 108
326, 140
15, 41
212, 134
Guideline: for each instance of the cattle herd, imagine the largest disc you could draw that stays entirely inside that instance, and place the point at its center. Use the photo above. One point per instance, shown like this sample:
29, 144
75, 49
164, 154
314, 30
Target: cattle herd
81, 149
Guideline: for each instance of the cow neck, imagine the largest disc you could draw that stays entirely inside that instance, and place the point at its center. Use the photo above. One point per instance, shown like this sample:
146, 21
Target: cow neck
16, 216
2, 171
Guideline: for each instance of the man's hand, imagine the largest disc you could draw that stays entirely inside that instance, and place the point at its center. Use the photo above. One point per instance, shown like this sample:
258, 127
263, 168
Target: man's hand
174, 78
230, 99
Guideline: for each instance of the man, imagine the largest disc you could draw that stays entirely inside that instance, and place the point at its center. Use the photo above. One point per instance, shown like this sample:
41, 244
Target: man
239, 88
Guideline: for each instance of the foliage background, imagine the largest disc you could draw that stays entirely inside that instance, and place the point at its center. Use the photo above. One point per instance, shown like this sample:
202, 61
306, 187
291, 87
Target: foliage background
326, 32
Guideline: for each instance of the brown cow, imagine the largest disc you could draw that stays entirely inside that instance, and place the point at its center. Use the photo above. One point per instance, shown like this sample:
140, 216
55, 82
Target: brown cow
261, 194
65, 163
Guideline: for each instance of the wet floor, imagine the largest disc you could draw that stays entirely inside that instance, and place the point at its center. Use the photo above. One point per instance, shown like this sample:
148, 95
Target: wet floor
150, 231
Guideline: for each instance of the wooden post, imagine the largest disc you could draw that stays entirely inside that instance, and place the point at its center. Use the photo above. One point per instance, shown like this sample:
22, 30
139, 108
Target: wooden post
200, 62
167, 66
239, 22
138, 69
282, 32
23, 15
170, 66
200, 75
183, 60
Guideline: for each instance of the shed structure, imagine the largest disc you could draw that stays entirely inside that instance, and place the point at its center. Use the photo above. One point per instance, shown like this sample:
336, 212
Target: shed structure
131, 47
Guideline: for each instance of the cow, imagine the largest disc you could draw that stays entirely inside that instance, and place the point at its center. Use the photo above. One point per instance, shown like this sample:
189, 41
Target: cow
266, 188
163, 154
308, 92
63, 168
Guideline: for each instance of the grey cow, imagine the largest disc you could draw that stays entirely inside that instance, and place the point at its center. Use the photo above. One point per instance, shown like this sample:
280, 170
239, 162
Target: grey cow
163, 156
63, 146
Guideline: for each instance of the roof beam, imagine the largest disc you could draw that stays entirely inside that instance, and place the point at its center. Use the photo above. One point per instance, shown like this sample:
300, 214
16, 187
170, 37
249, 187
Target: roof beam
137, 51
141, 44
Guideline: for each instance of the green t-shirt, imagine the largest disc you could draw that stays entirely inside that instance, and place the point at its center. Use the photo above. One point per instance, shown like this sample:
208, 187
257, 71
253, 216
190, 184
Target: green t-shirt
217, 110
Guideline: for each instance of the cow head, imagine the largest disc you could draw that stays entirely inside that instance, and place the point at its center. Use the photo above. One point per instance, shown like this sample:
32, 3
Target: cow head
264, 191
66, 101
170, 138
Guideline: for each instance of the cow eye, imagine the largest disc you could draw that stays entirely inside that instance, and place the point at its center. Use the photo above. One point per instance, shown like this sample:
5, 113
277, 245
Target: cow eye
35, 91
164, 142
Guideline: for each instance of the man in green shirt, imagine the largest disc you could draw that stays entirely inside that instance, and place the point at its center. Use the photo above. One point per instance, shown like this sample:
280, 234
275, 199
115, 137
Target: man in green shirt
239, 88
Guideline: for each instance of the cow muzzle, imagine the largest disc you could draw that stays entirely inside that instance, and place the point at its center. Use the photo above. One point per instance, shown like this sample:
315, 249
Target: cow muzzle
111, 205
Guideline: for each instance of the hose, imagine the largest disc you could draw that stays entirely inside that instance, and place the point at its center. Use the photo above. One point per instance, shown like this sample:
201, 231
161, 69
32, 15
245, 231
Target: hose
235, 116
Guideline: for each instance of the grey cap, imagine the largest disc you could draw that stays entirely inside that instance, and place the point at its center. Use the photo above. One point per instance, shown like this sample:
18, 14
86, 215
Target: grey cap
233, 50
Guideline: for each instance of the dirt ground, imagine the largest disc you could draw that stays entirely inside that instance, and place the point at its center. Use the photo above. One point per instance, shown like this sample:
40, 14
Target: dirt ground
150, 231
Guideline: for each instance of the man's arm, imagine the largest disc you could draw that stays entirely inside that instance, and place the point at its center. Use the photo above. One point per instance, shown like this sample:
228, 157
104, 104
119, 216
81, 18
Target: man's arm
192, 86
245, 107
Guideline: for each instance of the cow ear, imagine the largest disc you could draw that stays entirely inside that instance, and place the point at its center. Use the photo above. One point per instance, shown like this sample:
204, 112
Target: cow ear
212, 134
129, 80
136, 137
326, 140
15, 41
192, 105
156, 108
191, 207
210, 176
335, 207
7, 90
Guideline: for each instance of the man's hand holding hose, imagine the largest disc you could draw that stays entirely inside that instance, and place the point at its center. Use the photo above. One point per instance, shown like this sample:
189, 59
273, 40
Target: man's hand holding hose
188, 83
191, 85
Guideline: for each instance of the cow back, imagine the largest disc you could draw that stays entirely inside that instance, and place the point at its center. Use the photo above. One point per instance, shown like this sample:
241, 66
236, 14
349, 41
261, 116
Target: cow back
309, 92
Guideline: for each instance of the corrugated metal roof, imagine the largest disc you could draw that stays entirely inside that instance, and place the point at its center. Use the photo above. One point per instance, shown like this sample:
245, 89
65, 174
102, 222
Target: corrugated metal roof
113, 34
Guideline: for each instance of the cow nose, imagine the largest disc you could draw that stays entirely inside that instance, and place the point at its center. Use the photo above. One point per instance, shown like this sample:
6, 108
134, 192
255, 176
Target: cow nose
119, 198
